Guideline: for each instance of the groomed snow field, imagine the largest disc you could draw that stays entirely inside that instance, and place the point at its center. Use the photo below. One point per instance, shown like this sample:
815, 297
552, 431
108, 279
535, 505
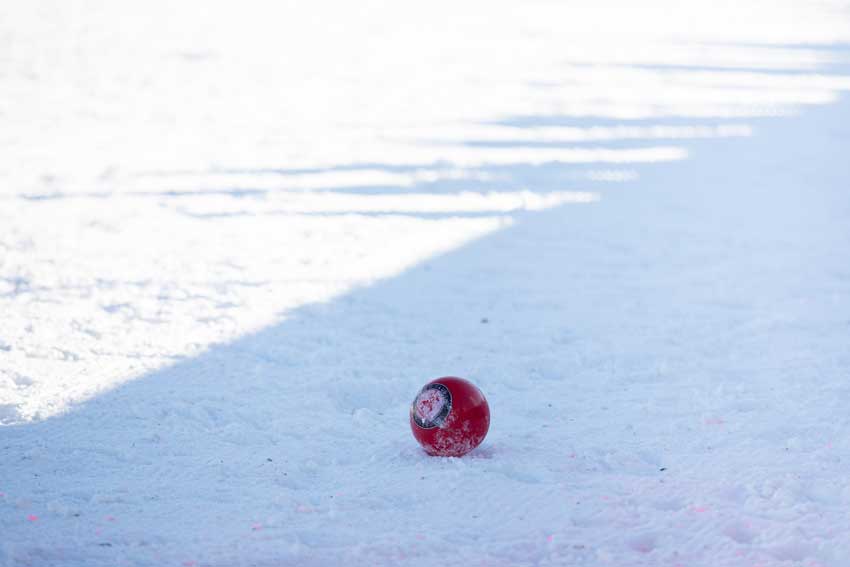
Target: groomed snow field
237, 238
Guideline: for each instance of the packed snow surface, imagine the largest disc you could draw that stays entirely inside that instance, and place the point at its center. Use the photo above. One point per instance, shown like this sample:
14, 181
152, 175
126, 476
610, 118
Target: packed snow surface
236, 240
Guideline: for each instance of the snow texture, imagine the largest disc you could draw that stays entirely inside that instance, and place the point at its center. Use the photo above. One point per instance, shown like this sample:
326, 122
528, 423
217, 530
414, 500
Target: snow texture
237, 238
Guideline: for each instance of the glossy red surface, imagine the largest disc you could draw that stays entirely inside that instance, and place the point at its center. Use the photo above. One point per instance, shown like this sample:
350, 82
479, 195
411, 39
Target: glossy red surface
449, 417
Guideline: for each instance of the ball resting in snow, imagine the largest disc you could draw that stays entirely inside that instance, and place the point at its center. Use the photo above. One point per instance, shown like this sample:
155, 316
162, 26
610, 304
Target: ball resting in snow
449, 417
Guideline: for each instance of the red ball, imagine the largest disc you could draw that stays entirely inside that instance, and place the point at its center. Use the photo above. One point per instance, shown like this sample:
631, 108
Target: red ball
449, 417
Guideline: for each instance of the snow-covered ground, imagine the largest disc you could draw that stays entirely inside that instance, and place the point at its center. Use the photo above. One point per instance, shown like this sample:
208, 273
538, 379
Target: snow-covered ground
235, 240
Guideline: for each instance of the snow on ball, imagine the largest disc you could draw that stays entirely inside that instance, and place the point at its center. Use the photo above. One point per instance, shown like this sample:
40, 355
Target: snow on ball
449, 417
